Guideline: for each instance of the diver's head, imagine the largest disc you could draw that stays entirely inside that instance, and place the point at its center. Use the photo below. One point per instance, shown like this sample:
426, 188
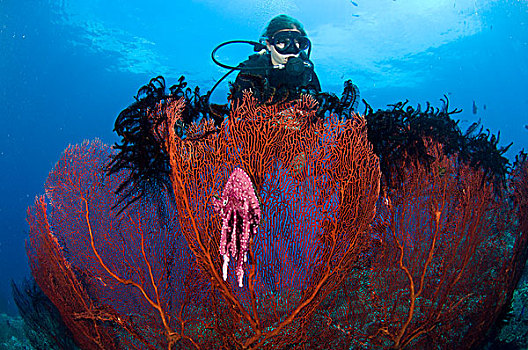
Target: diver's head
285, 38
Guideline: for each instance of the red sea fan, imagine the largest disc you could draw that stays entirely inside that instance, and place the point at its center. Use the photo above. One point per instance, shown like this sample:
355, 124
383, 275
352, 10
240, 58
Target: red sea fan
317, 184
431, 264
132, 270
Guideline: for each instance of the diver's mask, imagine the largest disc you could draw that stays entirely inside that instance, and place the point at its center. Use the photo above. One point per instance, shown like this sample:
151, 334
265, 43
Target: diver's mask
289, 42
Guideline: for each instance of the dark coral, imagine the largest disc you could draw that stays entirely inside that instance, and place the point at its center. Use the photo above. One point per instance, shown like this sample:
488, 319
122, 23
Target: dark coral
140, 149
480, 150
331, 104
44, 327
399, 135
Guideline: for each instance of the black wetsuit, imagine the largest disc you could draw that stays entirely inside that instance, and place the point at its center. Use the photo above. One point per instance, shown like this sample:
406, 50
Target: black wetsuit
273, 85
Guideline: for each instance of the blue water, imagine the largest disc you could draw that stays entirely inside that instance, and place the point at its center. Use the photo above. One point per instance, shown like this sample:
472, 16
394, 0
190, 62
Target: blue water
68, 67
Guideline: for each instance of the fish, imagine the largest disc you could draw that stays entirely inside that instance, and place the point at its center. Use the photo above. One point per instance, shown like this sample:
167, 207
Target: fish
474, 107
526, 126
354, 3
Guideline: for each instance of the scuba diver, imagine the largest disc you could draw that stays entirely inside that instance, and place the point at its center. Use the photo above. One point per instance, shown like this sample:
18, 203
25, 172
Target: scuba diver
282, 69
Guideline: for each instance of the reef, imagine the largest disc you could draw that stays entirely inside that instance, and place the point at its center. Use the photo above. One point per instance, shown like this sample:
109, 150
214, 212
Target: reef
265, 226
397, 134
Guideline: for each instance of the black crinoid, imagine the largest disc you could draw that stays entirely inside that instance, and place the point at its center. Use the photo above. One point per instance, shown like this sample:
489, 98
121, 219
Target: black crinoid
140, 152
481, 150
43, 325
329, 103
398, 137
